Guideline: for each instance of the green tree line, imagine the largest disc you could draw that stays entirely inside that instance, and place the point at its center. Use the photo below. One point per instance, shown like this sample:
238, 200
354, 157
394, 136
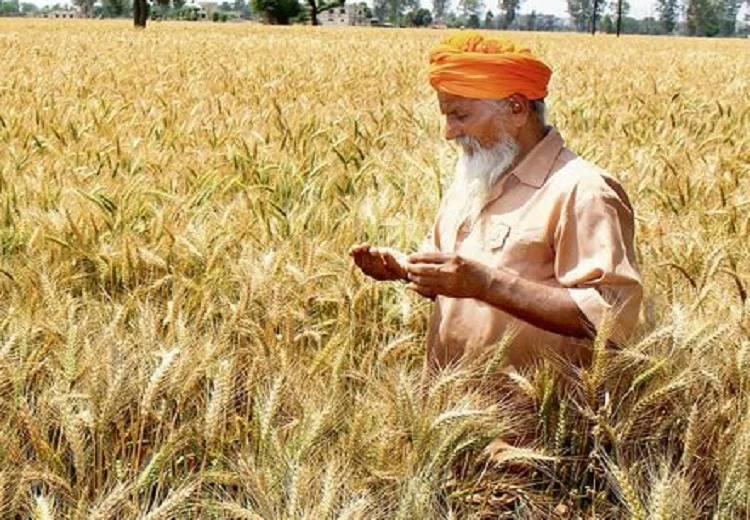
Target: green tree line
689, 17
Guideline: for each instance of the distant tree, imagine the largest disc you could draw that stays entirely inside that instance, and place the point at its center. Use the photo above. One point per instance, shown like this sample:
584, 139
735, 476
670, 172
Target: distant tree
731, 9
29, 8
225, 6
473, 21
613, 16
277, 11
623, 6
451, 20
439, 8
423, 17
704, 17
241, 6
409, 19
116, 8
668, 12
548, 22
598, 8
509, 11
581, 11
419, 18
646, 25
140, 13
745, 30
303, 17
8, 8
531, 21
380, 10
650, 25
393, 10
469, 7
85, 5
163, 7
489, 20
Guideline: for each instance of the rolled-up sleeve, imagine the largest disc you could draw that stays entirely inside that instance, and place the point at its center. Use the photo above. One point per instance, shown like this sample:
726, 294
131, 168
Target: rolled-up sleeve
595, 258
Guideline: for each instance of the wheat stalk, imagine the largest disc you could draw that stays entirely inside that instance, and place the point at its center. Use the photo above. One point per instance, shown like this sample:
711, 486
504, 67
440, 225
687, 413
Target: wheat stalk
217, 405
155, 199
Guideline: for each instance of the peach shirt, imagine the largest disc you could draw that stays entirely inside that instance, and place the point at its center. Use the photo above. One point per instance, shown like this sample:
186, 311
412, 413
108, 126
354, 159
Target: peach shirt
555, 219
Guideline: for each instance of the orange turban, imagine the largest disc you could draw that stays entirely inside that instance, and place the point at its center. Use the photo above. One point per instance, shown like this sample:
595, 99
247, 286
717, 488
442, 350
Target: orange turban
469, 65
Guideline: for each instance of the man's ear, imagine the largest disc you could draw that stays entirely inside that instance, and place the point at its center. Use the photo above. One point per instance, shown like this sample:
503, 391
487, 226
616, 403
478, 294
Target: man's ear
520, 108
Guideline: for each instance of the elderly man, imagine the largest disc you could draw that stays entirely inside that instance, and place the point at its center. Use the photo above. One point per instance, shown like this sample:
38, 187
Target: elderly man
530, 237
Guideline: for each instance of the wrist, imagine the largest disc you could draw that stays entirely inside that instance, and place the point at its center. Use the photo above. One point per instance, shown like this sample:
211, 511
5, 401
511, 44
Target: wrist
498, 287
486, 283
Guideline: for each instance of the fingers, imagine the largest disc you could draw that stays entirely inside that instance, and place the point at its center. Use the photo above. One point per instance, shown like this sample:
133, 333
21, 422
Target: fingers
429, 258
377, 264
358, 249
358, 254
422, 281
381, 263
423, 269
372, 262
393, 266
400, 257
422, 291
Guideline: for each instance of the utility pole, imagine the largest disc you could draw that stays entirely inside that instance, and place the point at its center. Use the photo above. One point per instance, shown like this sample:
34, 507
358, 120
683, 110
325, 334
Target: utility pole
593, 18
619, 17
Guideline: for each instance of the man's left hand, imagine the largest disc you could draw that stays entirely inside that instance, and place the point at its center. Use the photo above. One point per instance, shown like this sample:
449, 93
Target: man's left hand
449, 275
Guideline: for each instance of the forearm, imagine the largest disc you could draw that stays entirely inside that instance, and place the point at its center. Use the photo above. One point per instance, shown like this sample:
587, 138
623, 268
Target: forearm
548, 308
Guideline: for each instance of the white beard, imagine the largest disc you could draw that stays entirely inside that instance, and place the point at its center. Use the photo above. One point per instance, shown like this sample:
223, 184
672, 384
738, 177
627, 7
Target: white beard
477, 174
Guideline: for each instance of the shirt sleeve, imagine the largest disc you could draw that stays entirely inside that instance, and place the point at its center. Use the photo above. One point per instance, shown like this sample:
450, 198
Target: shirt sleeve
595, 258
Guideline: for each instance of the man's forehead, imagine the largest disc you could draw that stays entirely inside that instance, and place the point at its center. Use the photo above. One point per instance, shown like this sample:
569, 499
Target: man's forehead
450, 102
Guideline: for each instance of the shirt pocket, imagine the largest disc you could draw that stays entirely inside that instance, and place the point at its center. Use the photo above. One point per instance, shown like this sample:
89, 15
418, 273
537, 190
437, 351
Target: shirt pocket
496, 236
528, 252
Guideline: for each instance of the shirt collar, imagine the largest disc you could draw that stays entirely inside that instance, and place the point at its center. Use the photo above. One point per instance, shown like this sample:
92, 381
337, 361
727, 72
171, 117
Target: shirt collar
535, 167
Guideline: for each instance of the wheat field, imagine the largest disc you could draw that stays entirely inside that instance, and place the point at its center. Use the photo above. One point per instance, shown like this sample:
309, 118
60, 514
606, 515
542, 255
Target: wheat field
182, 333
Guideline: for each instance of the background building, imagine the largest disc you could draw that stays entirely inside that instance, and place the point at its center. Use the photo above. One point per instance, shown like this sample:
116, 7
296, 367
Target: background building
348, 14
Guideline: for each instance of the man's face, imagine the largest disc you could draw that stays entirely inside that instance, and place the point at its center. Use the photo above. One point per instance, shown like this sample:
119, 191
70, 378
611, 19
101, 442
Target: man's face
472, 118
489, 151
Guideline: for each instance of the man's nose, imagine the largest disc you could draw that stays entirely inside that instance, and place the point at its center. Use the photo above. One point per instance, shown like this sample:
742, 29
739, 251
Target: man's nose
451, 130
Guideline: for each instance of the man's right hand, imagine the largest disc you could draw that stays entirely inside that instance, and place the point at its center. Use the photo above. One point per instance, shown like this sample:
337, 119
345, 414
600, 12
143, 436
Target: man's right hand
380, 263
